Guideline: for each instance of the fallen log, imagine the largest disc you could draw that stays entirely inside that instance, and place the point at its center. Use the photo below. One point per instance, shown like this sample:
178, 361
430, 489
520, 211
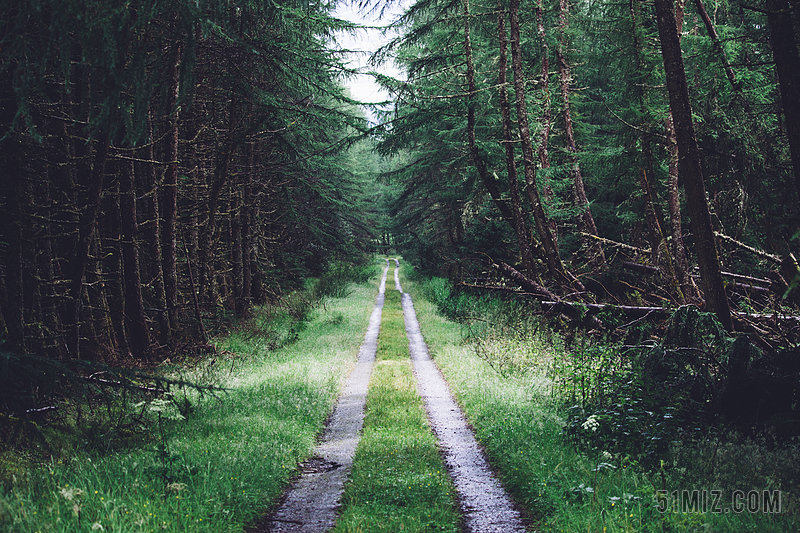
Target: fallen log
638, 311
634, 311
528, 284
760, 253
616, 244
644, 269
749, 279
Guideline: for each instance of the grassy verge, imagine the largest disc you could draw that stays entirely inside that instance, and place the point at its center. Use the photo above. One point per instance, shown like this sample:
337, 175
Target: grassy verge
504, 388
398, 481
217, 463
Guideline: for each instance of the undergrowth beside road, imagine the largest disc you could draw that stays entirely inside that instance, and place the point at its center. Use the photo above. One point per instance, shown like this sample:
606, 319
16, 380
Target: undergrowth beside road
398, 481
515, 380
202, 463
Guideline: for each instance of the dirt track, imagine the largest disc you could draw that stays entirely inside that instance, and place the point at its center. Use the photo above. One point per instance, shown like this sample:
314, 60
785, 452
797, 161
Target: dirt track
311, 502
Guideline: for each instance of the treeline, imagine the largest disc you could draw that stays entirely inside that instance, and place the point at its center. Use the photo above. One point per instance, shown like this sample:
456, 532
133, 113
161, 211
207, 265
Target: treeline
162, 161
549, 139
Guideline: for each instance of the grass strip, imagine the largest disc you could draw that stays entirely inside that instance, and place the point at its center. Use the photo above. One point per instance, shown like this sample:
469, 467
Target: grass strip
217, 468
398, 481
516, 419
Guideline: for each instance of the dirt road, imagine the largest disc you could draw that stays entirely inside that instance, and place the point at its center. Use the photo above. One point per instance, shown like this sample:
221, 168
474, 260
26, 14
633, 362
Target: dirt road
311, 502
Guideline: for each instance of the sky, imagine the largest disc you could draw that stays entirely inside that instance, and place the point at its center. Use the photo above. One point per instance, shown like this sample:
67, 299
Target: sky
363, 87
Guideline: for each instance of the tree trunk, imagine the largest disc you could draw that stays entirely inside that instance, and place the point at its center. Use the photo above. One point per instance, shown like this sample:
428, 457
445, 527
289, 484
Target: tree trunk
86, 229
139, 336
170, 198
237, 249
690, 167
521, 228
247, 229
787, 64
151, 233
11, 235
113, 267
547, 114
551, 249
220, 179
661, 255
477, 158
585, 220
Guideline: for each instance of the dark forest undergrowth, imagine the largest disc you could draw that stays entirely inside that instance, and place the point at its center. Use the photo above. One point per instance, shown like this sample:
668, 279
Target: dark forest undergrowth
203, 441
672, 427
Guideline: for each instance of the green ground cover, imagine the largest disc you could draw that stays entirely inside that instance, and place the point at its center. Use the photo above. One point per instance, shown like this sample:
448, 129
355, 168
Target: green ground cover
398, 481
216, 463
504, 379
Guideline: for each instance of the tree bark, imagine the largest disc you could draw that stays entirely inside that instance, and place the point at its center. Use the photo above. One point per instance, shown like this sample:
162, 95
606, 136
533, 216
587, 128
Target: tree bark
170, 199
11, 235
547, 114
542, 227
139, 336
112, 264
585, 220
521, 228
674, 272
86, 229
787, 64
478, 160
151, 232
690, 167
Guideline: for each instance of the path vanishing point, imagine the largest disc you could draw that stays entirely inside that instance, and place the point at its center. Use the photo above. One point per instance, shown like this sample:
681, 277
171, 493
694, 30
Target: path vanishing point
310, 504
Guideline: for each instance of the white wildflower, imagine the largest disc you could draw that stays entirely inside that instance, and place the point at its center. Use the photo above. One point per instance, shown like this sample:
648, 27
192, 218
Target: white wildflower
71, 494
591, 424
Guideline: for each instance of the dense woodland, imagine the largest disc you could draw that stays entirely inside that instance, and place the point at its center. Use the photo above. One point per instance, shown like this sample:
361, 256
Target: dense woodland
165, 164
557, 142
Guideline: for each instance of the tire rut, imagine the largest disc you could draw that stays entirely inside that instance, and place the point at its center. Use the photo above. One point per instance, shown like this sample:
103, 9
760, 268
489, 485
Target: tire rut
311, 502
485, 505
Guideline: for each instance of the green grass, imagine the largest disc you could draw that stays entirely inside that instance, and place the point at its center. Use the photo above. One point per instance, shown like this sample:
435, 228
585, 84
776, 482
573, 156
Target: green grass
515, 414
218, 468
398, 481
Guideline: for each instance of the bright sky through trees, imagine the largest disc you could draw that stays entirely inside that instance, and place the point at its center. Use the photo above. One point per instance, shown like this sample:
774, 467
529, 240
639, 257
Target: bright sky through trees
366, 42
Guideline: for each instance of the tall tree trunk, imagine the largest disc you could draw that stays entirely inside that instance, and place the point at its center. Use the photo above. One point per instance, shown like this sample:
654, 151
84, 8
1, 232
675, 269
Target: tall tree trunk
11, 235
237, 248
478, 160
547, 114
585, 219
151, 233
219, 181
688, 289
661, 255
690, 166
86, 228
170, 198
542, 227
521, 228
787, 64
712, 33
134, 307
247, 229
113, 266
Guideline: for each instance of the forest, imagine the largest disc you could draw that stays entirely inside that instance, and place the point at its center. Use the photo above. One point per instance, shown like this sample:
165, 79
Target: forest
627, 171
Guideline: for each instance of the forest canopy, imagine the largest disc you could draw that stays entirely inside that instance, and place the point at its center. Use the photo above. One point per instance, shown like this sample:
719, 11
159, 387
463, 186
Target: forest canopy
641, 153
163, 162
169, 163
